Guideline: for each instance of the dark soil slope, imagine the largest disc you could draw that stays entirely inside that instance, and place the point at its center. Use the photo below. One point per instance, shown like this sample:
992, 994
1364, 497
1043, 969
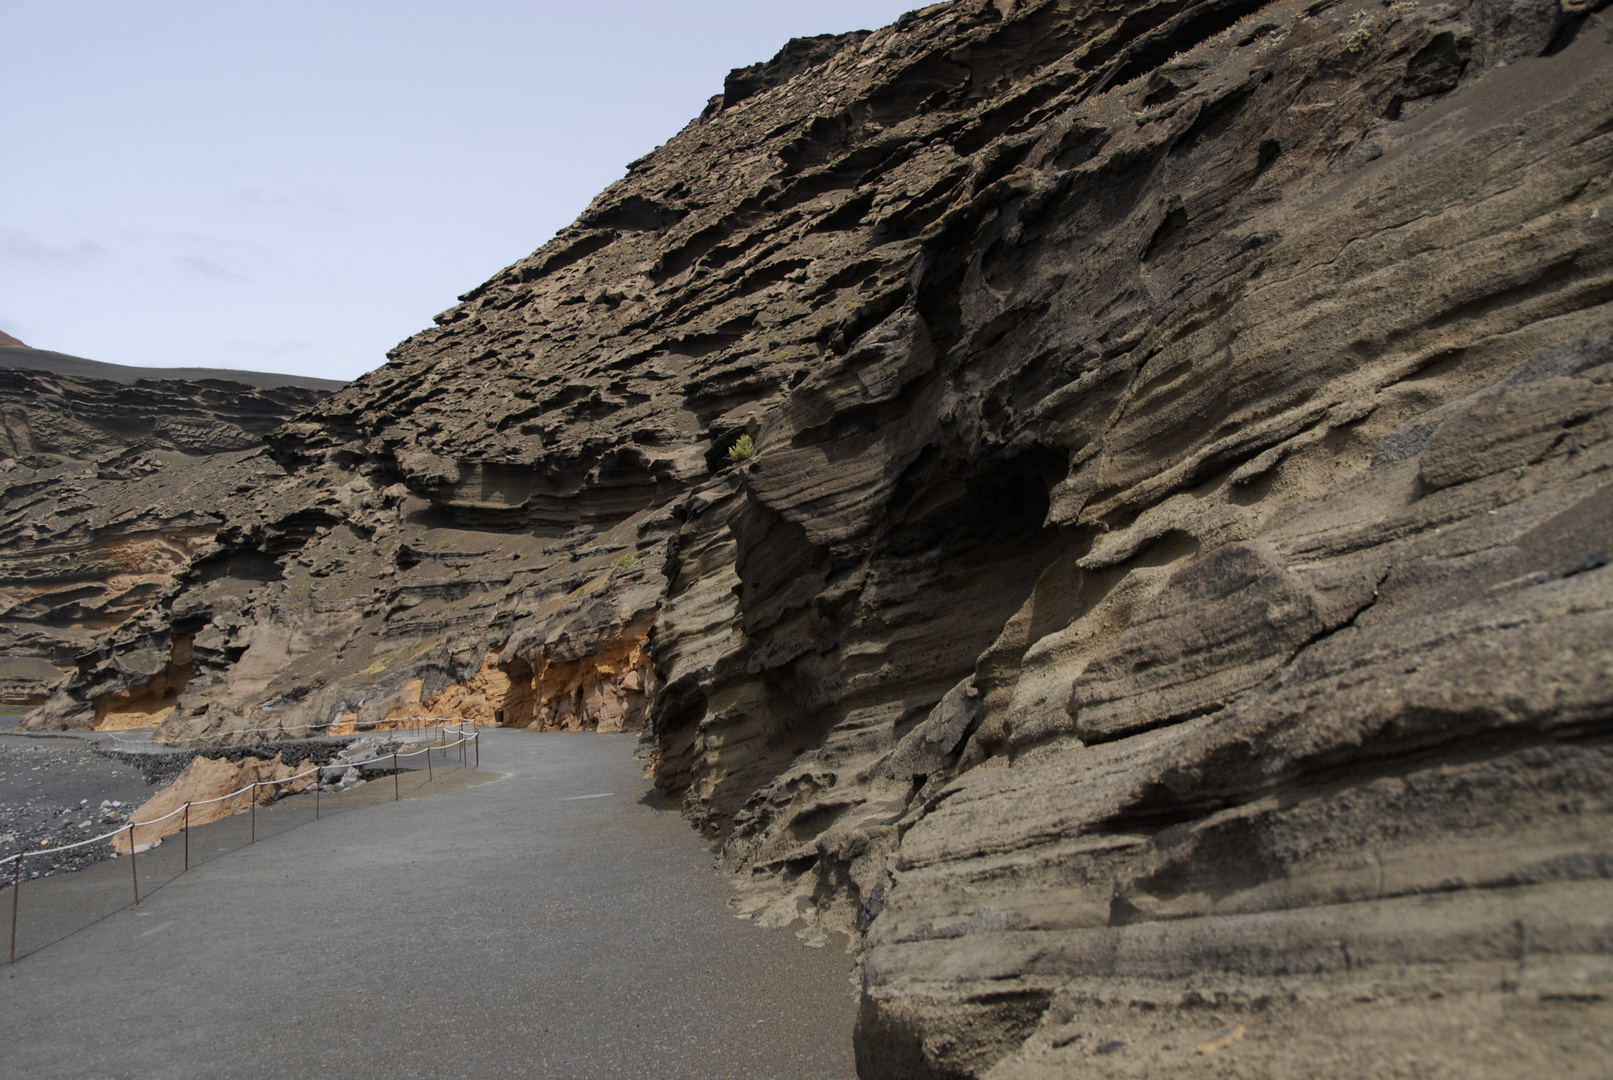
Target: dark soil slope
14, 354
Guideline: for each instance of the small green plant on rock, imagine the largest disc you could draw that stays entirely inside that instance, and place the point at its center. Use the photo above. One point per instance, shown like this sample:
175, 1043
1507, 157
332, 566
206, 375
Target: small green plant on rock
626, 561
742, 450
1357, 41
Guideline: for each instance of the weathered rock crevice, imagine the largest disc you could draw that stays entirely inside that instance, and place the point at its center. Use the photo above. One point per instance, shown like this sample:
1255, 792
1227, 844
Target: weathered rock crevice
152, 701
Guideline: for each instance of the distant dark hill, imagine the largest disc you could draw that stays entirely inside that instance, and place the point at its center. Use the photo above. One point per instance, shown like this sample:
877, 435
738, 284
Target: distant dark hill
14, 353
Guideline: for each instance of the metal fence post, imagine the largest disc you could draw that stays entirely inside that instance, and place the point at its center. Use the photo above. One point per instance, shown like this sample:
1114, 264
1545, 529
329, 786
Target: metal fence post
395, 795
187, 837
478, 749
429, 777
319, 785
254, 811
134, 870
16, 892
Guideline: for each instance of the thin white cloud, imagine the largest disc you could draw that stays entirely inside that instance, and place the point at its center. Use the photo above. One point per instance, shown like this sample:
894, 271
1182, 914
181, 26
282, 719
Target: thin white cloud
19, 246
210, 245
267, 350
330, 200
255, 198
201, 266
208, 256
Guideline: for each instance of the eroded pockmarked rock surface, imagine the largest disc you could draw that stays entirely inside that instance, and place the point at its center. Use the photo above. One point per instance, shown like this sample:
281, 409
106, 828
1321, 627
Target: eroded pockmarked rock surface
1168, 594
114, 492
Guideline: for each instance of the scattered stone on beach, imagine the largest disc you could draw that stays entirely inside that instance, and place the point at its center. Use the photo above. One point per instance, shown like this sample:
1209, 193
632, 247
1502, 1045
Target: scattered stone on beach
57, 793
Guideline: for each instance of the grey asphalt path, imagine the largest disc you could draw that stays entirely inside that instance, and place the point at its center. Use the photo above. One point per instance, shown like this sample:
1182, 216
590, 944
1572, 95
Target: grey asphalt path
552, 923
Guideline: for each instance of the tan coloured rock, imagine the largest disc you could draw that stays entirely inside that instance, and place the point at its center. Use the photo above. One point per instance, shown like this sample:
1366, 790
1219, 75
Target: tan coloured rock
609, 689
207, 779
154, 701
482, 700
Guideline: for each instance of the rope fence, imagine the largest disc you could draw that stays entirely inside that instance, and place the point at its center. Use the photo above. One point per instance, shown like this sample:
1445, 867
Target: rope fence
469, 745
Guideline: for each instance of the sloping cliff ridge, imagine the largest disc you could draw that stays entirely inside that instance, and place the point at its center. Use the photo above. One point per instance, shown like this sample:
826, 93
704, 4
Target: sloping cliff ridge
112, 490
1167, 604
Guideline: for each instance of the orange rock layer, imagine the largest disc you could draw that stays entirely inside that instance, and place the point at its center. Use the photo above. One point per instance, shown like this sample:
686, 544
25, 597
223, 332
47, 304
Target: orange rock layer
608, 690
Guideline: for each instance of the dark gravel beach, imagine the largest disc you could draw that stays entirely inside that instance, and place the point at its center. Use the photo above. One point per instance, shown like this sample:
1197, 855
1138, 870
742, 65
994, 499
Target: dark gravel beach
56, 790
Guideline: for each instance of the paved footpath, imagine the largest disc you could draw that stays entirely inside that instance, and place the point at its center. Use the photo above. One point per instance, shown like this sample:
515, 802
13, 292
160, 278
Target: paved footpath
550, 924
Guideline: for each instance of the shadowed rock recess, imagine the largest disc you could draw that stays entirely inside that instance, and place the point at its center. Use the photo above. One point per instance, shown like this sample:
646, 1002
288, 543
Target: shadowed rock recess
1165, 618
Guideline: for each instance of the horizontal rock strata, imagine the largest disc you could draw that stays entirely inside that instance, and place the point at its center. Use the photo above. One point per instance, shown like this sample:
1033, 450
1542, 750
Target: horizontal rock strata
1104, 505
112, 491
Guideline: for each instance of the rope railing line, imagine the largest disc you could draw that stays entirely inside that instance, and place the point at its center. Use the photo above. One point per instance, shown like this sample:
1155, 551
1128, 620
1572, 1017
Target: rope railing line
130, 827
127, 826
308, 727
328, 723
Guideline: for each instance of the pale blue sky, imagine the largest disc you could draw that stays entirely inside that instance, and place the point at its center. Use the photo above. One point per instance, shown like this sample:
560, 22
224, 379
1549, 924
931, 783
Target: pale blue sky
297, 186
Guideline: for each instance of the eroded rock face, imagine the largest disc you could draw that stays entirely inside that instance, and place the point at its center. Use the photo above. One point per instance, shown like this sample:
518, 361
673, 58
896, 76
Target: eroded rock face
112, 492
1166, 605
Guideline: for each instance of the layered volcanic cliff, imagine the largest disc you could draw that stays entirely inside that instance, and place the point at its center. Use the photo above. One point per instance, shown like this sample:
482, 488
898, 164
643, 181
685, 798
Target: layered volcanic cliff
113, 490
1104, 504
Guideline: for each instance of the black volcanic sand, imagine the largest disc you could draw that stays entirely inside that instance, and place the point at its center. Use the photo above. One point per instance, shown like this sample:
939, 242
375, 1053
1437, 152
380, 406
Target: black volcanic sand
56, 791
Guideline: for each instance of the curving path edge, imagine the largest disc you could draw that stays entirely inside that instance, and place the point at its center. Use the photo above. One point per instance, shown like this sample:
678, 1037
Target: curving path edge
552, 923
